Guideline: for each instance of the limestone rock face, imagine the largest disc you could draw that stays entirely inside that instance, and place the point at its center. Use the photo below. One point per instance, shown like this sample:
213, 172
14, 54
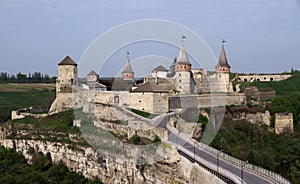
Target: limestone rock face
92, 164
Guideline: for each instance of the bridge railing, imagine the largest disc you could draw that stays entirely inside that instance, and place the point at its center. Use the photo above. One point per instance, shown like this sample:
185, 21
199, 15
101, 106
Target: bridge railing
258, 170
221, 171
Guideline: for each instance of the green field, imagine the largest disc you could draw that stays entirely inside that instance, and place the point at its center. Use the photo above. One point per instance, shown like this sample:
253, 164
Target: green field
16, 96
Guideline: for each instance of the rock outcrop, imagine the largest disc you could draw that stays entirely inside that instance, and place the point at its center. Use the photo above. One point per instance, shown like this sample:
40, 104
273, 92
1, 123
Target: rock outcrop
110, 168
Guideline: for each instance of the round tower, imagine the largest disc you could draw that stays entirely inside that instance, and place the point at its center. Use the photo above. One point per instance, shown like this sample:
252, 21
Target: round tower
67, 75
127, 73
183, 71
223, 73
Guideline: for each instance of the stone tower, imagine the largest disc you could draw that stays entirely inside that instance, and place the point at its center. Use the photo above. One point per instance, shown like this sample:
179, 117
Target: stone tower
67, 75
127, 73
183, 72
222, 73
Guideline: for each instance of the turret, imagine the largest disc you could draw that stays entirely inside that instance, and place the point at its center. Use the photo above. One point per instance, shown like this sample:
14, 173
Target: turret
223, 72
67, 75
183, 71
127, 73
223, 65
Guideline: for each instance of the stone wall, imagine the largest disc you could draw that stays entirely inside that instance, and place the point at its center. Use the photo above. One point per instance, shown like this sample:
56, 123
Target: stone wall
263, 118
196, 174
112, 97
35, 111
67, 76
62, 102
160, 103
284, 123
206, 100
251, 78
124, 122
253, 92
141, 101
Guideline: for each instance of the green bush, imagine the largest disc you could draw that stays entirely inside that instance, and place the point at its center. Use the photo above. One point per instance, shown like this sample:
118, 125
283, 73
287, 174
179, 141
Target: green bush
135, 139
156, 139
14, 169
261, 147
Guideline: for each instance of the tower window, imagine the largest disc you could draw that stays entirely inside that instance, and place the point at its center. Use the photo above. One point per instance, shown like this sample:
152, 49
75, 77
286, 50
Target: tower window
116, 99
180, 75
179, 80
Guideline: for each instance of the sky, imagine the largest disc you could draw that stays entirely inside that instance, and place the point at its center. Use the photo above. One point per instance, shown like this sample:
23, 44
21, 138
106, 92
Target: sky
262, 35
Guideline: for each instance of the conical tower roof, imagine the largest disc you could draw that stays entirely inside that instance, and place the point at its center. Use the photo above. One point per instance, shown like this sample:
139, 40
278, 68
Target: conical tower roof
182, 57
67, 61
223, 59
127, 68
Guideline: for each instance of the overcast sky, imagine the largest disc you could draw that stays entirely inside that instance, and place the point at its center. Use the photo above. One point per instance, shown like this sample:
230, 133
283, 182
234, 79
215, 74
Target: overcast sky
262, 35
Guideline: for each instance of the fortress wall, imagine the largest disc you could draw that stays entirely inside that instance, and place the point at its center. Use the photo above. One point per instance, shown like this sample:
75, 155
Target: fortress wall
160, 102
141, 101
112, 97
121, 122
251, 78
206, 100
63, 101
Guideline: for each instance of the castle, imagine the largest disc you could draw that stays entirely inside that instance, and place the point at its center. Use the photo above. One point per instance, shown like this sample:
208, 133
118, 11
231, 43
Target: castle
154, 93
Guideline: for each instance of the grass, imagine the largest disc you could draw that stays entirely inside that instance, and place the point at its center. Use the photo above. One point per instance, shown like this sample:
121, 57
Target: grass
28, 95
143, 113
60, 122
284, 87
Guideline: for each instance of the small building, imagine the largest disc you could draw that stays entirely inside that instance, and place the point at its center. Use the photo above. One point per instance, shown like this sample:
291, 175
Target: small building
149, 97
92, 77
97, 87
160, 71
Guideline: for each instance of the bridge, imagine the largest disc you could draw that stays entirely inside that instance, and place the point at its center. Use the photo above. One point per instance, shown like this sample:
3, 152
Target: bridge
227, 168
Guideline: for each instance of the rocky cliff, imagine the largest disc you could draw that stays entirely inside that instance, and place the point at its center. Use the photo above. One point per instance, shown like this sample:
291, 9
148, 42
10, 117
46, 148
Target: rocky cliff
105, 166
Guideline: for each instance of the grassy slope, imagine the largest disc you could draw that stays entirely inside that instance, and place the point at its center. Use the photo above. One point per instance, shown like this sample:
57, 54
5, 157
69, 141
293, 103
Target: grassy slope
279, 153
246, 141
31, 96
285, 87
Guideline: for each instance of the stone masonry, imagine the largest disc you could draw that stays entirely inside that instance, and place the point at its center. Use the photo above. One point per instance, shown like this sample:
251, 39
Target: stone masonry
284, 123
